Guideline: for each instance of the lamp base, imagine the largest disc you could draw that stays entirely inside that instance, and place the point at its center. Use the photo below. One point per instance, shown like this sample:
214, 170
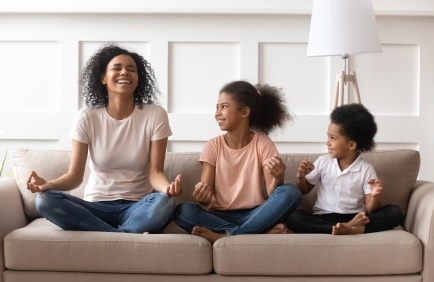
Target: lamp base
341, 79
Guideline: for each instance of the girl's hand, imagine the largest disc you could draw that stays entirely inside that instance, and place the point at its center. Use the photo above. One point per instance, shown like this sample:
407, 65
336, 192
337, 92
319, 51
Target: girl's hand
175, 188
276, 167
376, 186
304, 168
203, 193
36, 183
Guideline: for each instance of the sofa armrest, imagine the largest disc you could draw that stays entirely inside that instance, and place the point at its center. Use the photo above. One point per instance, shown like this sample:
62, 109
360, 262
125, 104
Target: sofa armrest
420, 222
12, 213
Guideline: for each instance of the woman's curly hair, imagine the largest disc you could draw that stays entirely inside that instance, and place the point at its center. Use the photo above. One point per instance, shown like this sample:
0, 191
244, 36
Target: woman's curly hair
95, 93
267, 104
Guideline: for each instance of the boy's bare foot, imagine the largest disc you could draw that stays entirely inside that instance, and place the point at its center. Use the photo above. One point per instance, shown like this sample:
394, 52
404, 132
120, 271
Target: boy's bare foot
345, 229
207, 234
277, 229
359, 220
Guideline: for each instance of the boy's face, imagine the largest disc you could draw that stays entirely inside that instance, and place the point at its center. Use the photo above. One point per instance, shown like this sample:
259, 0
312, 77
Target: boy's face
338, 145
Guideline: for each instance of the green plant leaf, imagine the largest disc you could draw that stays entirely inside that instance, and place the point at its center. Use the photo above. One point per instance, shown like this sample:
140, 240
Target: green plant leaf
3, 163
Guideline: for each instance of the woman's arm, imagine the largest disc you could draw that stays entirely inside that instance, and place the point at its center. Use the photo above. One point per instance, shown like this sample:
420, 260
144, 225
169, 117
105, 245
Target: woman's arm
72, 179
156, 170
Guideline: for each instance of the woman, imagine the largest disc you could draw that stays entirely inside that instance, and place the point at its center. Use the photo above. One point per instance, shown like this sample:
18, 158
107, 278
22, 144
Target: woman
125, 134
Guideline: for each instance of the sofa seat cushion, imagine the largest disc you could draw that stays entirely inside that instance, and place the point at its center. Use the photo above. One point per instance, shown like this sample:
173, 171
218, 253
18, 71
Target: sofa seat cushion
43, 246
383, 253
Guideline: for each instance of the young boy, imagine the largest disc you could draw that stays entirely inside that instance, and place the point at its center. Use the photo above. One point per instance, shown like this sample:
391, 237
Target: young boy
348, 189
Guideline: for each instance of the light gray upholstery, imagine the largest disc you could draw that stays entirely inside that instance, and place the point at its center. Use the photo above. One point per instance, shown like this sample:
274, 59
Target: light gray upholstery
33, 248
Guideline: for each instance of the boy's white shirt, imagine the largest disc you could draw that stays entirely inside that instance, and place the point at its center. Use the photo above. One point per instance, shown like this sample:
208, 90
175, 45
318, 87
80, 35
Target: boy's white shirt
340, 191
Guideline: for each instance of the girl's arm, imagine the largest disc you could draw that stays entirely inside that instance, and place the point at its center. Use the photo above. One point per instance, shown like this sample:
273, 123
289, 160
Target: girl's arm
274, 173
156, 170
70, 180
204, 190
373, 200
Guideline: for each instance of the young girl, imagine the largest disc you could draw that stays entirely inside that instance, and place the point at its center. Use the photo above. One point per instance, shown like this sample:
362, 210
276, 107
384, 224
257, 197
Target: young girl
348, 189
235, 166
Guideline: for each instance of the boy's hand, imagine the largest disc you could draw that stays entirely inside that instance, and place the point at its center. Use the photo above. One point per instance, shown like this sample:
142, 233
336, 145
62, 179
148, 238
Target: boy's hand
376, 186
275, 166
203, 193
304, 168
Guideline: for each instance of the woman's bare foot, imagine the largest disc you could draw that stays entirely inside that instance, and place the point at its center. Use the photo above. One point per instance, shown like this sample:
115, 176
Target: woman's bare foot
207, 234
345, 229
277, 229
359, 220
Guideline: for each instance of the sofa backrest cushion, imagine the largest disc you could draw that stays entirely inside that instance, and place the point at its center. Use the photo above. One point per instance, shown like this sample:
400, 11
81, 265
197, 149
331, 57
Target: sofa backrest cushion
397, 168
49, 164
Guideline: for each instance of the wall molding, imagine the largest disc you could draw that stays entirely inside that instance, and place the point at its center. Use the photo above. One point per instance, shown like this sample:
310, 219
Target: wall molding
266, 7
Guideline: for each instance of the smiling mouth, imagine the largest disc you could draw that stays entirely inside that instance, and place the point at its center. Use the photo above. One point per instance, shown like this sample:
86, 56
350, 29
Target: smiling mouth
123, 81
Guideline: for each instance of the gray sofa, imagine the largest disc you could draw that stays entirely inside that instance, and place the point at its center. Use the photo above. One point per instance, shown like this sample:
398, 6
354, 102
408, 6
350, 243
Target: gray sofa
33, 249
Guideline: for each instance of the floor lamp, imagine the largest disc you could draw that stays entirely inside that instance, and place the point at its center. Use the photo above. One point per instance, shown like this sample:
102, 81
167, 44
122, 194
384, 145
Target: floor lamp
343, 28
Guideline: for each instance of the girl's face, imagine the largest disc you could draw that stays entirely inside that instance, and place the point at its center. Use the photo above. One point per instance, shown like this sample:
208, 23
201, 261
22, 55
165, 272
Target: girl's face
121, 75
338, 145
229, 113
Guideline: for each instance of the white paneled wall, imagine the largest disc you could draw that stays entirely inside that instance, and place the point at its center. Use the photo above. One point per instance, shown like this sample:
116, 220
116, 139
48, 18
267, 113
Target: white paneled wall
197, 47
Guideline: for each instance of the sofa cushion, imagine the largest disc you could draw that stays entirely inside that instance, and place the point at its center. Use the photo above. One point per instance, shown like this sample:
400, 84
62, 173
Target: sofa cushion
43, 246
48, 164
188, 165
397, 168
51, 164
383, 253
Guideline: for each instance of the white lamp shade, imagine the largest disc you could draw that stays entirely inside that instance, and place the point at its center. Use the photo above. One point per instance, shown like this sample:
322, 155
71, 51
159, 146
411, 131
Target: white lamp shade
342, 27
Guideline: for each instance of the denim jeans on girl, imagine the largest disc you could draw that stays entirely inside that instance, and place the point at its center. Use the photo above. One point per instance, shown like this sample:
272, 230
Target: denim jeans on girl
284, 199
150, 214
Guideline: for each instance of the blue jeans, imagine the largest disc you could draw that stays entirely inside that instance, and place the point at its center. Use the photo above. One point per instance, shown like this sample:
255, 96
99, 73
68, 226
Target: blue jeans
284, 199
150, 214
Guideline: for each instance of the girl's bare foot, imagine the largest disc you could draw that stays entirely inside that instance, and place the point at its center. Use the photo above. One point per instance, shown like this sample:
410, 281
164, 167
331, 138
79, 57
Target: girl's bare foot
277, 229
359, 220
207, 234
345, 229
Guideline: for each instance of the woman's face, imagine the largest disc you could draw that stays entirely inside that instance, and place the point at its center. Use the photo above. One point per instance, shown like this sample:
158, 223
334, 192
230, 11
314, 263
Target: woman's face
121, 76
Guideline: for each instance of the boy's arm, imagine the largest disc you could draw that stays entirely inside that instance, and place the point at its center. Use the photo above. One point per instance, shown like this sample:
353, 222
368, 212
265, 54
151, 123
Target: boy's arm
304, 168
373, 200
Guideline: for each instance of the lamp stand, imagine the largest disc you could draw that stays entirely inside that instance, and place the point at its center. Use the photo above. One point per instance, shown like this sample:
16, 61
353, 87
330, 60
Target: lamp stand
341, 79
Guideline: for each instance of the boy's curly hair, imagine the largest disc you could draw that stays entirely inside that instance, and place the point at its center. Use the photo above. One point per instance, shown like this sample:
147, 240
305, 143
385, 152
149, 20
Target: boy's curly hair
357, 123
95, 93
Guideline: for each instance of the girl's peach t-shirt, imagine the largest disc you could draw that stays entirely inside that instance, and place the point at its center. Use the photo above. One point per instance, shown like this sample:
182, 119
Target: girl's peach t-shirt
239, 180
